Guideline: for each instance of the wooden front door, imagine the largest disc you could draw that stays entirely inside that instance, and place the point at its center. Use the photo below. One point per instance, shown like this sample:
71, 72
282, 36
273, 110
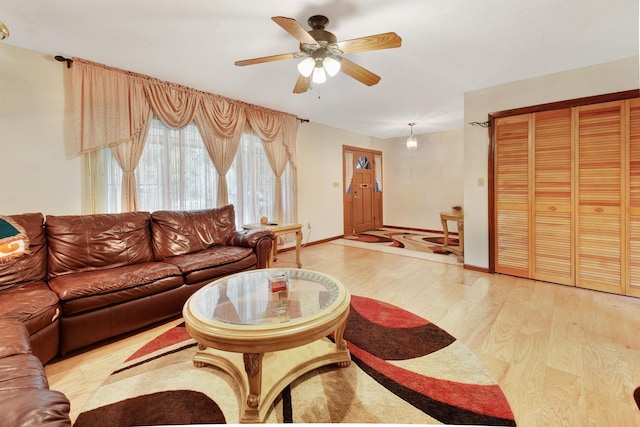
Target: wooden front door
362, 198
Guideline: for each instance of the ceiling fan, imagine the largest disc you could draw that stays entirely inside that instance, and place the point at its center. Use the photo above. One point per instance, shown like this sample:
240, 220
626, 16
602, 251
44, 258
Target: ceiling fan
323, 52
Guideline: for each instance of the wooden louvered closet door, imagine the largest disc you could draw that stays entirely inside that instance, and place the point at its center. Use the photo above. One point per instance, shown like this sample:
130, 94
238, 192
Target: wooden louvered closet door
567, 196
552, 223
601, 193
633, 284
512, 195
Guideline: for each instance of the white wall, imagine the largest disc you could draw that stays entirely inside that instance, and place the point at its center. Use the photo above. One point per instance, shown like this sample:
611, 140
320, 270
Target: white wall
38, 172
319, 152
420, 183
595, 80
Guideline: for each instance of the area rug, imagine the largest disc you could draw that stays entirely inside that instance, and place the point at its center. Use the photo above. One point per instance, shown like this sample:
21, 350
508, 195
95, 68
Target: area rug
412, 240
404, 370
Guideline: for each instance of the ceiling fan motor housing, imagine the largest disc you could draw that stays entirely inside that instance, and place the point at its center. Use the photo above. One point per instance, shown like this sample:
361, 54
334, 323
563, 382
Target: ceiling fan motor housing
323, 37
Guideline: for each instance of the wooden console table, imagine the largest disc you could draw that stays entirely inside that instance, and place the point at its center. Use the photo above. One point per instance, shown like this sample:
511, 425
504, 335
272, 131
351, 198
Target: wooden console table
280, 230
458, 217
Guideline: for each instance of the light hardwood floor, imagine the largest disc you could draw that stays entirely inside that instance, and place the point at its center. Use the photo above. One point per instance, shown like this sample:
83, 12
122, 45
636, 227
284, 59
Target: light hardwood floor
563, 356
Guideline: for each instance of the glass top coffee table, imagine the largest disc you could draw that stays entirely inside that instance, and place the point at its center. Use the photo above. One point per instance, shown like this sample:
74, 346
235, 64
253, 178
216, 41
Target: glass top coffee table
265, 336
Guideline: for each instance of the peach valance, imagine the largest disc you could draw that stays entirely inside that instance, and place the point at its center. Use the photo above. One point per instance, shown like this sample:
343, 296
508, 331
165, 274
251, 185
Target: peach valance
110, 107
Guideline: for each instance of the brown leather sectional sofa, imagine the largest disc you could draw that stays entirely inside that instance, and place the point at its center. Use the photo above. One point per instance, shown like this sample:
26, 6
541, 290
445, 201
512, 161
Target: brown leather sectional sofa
88, 278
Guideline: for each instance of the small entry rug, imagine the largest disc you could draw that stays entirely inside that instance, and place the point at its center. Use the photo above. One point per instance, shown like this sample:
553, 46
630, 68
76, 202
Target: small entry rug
419, 244
404, 370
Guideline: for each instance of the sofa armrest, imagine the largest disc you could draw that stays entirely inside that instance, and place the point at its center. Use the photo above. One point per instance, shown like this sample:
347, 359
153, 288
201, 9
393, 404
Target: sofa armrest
260, 240
43, 408
250, 238
15, 338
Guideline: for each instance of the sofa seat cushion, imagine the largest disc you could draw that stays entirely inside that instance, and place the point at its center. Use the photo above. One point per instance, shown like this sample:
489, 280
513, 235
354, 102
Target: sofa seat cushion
21, 372
213, 262
34, 304
15, 338
212, 257
100, 288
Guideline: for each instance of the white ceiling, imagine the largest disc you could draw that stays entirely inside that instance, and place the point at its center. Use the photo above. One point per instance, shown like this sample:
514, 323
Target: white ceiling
448, 47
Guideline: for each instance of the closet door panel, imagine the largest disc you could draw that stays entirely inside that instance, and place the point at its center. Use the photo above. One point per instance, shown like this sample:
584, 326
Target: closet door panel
512, 136
553, 248
600, 154
633, 287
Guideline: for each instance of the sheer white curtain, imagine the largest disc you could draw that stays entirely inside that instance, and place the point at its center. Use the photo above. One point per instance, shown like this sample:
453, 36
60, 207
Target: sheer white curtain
175, 172
252, 184
377, 163
348, 170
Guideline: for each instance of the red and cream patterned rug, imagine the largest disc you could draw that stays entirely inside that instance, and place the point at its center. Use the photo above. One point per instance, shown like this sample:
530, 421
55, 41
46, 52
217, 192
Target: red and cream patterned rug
418, 244
405, 370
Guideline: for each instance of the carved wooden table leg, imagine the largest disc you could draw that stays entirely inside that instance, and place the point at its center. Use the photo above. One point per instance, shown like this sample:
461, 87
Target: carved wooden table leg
199, 363
445, 229
253, 367
460, 241
341, 344
298, 246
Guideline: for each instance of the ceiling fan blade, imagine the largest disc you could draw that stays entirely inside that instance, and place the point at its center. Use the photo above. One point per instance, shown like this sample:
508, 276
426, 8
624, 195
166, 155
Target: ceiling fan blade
363, 44
268, 58
291, 26
357, 72
302, 85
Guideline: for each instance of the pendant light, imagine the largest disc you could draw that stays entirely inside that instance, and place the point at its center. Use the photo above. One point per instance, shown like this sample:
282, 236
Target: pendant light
412, 142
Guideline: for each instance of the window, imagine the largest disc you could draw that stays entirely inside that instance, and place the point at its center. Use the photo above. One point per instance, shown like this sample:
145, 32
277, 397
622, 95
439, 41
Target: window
176, 173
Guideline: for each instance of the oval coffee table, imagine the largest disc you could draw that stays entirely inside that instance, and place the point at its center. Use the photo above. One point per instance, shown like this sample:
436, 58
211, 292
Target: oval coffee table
264, 340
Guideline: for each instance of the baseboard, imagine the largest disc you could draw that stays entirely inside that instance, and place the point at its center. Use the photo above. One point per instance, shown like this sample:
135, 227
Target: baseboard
315, 242
474, 268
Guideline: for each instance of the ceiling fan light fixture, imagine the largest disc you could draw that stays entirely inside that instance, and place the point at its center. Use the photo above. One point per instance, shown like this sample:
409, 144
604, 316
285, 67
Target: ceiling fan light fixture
412, 142
306, 66
319, 75
331, 66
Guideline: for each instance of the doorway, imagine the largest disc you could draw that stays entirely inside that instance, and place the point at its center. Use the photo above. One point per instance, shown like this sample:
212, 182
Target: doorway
362, 196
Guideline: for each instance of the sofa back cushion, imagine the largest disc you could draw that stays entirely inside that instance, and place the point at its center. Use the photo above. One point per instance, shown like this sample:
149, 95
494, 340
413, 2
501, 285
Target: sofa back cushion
94, 242
33, 265
184, 232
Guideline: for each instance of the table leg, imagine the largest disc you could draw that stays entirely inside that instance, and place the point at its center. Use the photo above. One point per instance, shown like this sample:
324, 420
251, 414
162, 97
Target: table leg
253, 367
298, 247
460, 241
274, 250
445, 228
341, 344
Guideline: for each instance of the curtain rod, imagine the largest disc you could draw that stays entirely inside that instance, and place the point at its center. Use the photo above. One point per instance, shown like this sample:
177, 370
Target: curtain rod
486, 124
61, 58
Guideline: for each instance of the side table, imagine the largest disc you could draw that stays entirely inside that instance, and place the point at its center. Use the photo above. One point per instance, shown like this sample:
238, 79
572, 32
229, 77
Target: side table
280, 230
458, 217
